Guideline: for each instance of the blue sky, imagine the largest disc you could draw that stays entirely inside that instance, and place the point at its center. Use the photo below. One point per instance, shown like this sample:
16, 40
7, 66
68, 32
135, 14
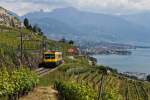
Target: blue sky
101, 6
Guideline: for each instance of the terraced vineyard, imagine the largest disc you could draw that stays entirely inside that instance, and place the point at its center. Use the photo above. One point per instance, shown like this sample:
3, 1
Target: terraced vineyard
108, 86
33, 45
12, 37
114, 86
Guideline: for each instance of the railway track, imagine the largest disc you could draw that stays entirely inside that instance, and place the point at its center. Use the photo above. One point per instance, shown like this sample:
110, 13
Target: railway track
44, 71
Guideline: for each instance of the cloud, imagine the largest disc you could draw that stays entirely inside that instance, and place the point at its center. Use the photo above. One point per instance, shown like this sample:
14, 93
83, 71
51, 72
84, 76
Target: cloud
22, 7
107, 6
113, 6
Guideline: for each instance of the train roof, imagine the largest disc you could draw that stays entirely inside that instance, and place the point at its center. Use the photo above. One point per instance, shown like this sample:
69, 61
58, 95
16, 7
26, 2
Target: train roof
52, 51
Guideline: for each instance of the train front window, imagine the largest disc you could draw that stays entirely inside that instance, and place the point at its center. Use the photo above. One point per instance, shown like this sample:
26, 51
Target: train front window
49, 56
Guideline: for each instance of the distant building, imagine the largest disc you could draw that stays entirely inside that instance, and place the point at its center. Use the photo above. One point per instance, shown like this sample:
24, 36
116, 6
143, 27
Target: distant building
74, 51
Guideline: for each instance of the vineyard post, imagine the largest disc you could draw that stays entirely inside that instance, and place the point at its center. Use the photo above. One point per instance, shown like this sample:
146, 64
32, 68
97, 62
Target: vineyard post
126, 92
42, 45
100, 88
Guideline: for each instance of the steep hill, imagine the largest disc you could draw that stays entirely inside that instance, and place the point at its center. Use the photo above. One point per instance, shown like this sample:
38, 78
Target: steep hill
87, 26
10, 42
9, 18
104, 81
10, 46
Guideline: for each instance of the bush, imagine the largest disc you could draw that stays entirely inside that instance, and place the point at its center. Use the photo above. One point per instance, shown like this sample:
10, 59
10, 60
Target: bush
105, 68
148, 78
16, 81
74, 91
8, 55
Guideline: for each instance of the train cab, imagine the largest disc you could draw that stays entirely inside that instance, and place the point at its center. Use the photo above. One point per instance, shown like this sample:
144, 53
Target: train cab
52, 58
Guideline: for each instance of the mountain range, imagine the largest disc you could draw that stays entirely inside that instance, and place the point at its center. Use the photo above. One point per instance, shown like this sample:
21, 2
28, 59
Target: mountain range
82, 26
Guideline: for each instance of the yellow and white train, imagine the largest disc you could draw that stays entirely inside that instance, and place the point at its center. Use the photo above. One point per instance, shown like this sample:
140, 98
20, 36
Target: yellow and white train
52, 58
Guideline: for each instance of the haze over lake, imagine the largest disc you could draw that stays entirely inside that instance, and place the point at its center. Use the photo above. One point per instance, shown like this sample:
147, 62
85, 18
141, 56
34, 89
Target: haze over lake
139, 61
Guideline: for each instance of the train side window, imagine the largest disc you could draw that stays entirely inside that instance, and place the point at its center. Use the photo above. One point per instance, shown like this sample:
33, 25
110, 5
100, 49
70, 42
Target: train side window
49, 56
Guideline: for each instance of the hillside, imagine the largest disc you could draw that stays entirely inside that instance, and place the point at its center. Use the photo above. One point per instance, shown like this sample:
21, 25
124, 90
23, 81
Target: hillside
10, 43
17, 67
11, 29
75, 79
93, 27
76, 74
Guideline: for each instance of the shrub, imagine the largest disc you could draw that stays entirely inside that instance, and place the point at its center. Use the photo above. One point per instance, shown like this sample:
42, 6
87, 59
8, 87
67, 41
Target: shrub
148, 78
16, 81
74, 91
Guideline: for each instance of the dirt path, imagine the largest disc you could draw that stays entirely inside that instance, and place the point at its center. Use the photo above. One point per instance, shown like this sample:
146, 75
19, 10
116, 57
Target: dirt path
42, 93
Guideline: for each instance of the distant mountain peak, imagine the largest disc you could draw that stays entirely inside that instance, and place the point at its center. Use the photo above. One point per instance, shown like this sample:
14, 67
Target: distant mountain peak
79, 25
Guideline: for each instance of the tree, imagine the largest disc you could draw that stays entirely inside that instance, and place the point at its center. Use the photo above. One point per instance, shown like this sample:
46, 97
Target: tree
35, 28
26, 23
71, 42
148, 78
63, 40
30, 27
39, 30
41, 33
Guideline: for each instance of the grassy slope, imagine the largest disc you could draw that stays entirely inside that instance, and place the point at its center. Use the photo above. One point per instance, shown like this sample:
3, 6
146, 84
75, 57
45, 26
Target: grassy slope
77, 70
10, 44
9, 51
114, 85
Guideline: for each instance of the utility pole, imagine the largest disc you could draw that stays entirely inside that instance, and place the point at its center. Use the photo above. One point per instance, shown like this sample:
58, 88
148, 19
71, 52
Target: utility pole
21, 46
43, 46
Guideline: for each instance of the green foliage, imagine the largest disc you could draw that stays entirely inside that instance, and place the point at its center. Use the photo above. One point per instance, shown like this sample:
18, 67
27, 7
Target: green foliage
110, 96
74, 91
74, 63
5, 27
77, 71
59, 46
41, 33
105, 68
148, 78
63, 40
17, 80
30, 27
71, 42
9, 38
26, 23
8, 55
35, 28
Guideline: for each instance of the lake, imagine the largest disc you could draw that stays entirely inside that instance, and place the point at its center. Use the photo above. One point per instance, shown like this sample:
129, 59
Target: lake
138, 61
